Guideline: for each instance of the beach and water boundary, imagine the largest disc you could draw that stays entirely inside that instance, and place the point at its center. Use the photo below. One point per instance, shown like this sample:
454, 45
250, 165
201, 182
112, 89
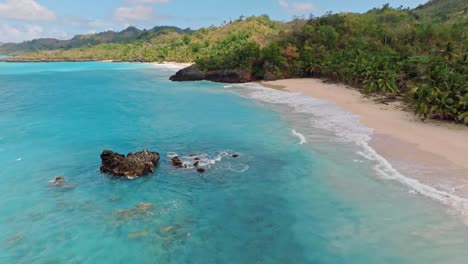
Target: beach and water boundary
428, 157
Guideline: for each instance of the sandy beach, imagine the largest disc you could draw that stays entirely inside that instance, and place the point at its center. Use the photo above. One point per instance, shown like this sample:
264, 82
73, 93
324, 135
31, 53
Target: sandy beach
179, 64
434, 153
171, 63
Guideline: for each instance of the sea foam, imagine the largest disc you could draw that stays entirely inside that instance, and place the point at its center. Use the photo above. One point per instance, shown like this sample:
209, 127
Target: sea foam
203, 159
347, 127
300, 136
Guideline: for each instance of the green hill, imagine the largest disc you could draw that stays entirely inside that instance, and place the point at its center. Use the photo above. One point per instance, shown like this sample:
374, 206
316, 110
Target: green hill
445, 10
127, 35
169, 44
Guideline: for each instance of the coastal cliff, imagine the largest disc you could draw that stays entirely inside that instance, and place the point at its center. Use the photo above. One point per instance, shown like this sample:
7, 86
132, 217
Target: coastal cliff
194, 73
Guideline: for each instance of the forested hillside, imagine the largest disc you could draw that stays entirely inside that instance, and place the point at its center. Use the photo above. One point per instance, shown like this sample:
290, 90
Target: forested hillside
173, 45
420, 55
447, 11
126, 35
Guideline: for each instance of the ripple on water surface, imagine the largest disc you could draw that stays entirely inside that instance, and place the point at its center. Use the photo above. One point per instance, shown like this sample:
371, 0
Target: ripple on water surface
278, 201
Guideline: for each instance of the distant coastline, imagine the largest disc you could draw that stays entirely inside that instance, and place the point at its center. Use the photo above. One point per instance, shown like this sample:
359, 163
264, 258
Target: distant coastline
20, 60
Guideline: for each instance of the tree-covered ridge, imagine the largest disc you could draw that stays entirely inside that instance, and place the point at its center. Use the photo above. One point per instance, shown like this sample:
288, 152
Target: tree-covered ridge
446, 11
386, 51
173, 45
126, 35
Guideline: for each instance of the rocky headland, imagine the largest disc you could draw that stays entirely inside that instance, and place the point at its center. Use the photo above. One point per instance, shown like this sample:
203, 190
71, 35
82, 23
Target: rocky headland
194, 73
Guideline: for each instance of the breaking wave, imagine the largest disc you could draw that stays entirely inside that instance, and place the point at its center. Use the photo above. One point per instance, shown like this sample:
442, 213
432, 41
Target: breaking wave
346, 126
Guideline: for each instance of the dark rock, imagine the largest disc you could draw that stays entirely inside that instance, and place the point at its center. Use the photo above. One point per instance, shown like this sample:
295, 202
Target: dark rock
197, 158
235, 155
201, 170
140, 211
269, 76
193, 73
138, 164
58, 180
196, 163
176, 162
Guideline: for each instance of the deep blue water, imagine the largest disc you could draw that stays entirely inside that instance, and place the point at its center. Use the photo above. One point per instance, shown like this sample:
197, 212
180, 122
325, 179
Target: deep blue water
279, 202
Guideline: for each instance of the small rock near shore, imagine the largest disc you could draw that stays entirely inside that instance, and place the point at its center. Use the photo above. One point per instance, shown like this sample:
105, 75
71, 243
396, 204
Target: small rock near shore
176, 162
57, 180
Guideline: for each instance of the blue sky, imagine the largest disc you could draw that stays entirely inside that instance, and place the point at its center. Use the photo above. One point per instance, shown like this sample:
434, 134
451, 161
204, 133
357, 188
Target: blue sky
27, 19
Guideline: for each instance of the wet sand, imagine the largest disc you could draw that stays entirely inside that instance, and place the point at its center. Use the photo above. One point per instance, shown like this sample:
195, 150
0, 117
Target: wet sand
434, 153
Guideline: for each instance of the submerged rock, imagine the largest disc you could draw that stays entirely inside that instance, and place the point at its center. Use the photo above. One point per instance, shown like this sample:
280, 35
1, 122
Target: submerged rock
138, 164
58, 180
141, 210
59, 184
201, 170
67, 186
143, 207
138, 234
193, 73
170, 229
14, 239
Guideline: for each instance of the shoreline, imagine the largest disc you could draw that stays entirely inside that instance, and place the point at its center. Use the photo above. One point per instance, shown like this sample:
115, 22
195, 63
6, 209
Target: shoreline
431, 152
172, 63
180, 64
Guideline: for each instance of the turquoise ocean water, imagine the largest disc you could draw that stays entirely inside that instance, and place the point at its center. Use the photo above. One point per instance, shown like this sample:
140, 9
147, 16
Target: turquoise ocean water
326, 200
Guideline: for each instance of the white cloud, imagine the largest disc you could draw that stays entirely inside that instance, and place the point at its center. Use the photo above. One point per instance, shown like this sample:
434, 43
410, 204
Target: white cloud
133, 13
18, 34
297, 7
25, 10
283, 3
302, 7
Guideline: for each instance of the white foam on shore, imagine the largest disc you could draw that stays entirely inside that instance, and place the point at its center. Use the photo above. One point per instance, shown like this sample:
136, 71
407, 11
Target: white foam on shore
203, 160
300, 136
347, 127
168, 65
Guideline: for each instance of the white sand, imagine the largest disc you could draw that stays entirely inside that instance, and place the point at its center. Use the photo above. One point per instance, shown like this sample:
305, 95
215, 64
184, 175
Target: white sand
435, 153
179, 64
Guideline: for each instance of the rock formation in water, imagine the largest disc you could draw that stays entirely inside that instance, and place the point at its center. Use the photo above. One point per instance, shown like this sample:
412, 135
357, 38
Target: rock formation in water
58, 180
176, 162
138, 164
193, 73
141, 210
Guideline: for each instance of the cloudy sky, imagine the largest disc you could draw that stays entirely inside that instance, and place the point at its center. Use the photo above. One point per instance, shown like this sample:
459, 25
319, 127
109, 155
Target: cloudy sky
28, 19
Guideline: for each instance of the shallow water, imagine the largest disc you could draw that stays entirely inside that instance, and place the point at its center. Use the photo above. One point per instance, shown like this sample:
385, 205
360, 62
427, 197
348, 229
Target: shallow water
278, 202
